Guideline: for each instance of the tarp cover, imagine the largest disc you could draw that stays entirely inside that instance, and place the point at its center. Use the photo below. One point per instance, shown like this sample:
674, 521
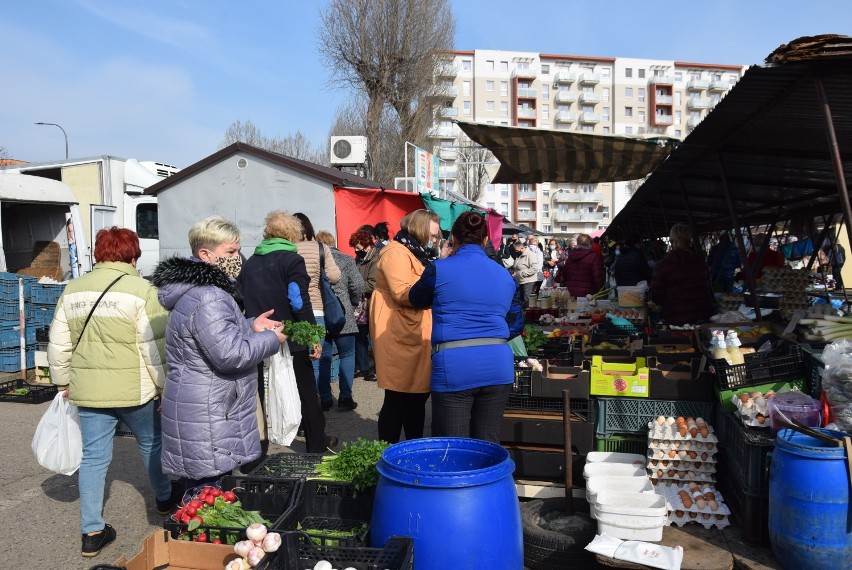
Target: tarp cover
356, 207
529, 156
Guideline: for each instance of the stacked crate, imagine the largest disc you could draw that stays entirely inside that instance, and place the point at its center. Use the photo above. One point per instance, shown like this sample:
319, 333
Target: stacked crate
43, 298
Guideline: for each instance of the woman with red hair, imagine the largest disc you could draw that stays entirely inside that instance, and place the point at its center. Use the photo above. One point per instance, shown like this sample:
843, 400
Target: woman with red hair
106, 352
366, 256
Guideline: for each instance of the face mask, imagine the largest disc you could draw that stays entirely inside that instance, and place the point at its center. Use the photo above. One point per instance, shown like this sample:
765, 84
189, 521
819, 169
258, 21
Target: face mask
552, 247
617, 253
231, 266
360, 254
430, 244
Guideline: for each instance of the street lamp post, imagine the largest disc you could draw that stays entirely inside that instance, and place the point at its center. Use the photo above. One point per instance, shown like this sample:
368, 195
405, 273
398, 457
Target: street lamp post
63, 132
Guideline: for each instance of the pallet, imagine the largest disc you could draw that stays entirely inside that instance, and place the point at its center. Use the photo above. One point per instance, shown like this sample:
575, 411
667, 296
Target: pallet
544, 490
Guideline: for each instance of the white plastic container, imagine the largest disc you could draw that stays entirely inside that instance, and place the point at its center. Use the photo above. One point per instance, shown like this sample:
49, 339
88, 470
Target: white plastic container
631, 296
615, 457
613, 470
631, 516
598, 484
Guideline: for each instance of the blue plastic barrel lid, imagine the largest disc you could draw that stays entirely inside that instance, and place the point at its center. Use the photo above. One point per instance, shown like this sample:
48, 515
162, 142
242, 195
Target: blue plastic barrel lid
807, 446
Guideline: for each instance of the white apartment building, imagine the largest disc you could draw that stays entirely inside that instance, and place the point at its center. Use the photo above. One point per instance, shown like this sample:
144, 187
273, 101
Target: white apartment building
578, 93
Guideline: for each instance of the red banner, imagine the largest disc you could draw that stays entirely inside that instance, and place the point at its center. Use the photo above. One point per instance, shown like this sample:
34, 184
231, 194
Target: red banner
356, 207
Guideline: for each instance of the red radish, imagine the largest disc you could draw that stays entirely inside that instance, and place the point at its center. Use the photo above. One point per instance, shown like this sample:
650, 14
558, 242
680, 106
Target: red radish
208, 490
216, 541
195, 503
185, 518
201, 538
197, 518
216, 492
229, 496
191, 511
209, 499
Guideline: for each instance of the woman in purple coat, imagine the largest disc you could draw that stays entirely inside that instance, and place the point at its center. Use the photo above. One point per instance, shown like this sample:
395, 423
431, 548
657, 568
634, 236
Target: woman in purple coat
681, 282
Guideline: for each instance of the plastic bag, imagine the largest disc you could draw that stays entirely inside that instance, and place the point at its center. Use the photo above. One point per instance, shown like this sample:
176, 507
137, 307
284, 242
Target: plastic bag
283, 405
647, 553
58, 443
837, 382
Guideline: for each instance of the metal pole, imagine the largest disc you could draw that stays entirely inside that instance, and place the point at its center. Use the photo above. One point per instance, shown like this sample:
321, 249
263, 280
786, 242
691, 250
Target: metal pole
64, 134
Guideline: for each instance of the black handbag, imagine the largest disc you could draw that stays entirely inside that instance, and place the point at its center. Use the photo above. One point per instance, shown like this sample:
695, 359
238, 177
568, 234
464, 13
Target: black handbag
335, 317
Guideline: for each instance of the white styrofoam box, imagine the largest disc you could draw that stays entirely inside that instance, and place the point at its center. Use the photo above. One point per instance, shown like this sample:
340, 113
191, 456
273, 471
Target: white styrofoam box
595, 485
631, 516
614, 457
613, 470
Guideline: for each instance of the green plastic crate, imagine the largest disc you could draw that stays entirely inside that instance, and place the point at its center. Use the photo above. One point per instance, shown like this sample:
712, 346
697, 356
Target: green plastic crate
724, 396
622, 444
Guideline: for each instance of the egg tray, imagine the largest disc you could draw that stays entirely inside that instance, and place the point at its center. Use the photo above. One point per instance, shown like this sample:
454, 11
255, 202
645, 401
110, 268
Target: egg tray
664, 453
712, 522
668, 445
751, 420
697, 478
666, 433
670, 492
696, 466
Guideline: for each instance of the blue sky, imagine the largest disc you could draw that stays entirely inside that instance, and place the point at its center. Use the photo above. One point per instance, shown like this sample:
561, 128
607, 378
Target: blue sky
163, 79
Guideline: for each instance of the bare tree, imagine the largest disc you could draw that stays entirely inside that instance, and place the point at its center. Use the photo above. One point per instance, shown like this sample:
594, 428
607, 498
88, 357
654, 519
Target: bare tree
4, 155
633, 185
389, 51
296, 145
472, 174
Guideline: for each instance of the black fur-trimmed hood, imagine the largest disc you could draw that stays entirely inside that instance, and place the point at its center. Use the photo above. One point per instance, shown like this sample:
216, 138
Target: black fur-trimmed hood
174, 276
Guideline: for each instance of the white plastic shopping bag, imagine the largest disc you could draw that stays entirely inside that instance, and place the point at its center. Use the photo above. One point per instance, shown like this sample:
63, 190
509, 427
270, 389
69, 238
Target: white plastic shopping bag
58, 443
647, 553
283, 406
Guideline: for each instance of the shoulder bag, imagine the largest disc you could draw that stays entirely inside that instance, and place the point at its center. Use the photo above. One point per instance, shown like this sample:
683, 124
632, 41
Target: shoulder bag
335, 317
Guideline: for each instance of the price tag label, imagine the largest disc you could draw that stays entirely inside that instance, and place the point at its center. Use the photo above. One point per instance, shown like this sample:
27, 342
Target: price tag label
798, 315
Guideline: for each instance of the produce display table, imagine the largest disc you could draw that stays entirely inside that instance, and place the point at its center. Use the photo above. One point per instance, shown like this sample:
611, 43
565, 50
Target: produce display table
702, 550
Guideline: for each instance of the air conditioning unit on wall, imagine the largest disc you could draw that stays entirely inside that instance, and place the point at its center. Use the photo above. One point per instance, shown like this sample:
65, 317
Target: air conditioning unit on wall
348, 151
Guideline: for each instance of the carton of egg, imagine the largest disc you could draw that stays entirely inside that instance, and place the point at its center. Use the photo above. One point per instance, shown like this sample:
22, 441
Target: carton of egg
680, 450
698, 503
753, 408
681, 429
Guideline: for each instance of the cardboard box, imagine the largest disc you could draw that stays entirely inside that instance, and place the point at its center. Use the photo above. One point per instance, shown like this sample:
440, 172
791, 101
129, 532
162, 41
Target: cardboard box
159, 551
681, 381
624, 377
540, 429
550, 382
671, 350
586, 352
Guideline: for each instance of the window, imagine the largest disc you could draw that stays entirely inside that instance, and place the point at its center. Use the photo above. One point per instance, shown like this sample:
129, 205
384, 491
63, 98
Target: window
563, 228
641, 74
466, 88
587, 128
606, 130
525, 188
605, 113
628, 111
545, 192
146, 221
545, 69
545, 209
717, 77
605, 94
504, 209
605, 73
677, 133
640, 116
466, 107
605, 210
628, 92
504, 88
588, 108
628, 72
490, 189
694, 75
732, 79
489, 106
466, 65
545, 111
504, 190
678, 115
678, 98
588, 90
563, 107
628, 130
489, 205
489, 86
678, 76
504, 108
545, 91
522, 66
504, 66
640, 94
546, 228
489, 65
640, 131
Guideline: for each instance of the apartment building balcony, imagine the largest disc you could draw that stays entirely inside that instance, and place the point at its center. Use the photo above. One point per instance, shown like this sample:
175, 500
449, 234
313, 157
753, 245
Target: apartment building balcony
565, 97
527, 195
525, 73
565, 78
664, 100
526, 113
526, 216
443, 132
565, 117
525, 93
448, 153
443, 92
661, 80
448, 172
590, 118
447, 112
698, 103
578, 197
446, 70
663, 119
697, 85
589, 78
719, 86
692, 122
578, 216
590, 98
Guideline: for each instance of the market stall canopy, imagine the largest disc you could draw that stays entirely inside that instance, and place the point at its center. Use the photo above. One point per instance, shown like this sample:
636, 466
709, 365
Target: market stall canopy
529, 156
767, 140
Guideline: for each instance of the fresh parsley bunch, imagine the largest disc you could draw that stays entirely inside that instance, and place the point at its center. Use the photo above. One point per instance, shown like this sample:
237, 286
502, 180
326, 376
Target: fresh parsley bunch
302, 332
355, 462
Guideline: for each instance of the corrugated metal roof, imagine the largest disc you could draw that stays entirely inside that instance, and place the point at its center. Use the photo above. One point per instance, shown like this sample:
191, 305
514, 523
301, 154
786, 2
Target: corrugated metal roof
769, 137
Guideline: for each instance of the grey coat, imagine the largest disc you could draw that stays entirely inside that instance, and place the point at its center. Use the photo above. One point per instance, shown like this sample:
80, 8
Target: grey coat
209, 420
350, 287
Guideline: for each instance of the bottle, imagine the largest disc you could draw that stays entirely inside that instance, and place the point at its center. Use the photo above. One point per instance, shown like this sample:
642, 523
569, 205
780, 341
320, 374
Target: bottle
718, 347
734, 344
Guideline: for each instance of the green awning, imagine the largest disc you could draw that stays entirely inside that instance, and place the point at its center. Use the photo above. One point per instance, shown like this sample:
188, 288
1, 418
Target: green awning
448, 211
530, 156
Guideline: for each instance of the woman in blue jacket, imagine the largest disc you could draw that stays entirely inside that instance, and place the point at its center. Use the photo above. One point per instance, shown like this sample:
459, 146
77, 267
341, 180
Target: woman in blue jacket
475, 310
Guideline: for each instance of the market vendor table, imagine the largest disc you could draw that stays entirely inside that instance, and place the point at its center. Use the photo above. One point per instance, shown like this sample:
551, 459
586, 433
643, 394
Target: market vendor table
702, 550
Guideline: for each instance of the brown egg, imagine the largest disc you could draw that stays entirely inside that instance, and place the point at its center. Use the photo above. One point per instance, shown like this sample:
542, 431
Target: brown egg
709, 495
654, 462
664, 463
671, 473
681, 474
704, 431
672, 453
714, 506
687, 502
700, 502
720, 517
692, 455
761, 418
706, 516
704, 456
693, 432
770, 394
675, 463
693, 515
710, 446
659, 472
690, 420
678, 513
682, 431
743, 398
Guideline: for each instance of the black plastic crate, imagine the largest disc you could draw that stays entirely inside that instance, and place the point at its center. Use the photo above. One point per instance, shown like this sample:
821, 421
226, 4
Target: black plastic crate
42, 333
289, 465
584, 408
751, 511
554, 347
814, 369
36, 393
783, 362
631, 415
273, 498
331, 506
746, 450
298, 552
523, 379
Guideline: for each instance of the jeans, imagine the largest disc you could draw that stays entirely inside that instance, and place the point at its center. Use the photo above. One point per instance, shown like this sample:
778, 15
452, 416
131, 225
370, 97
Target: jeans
362, 347
475, 413
326, 346
346, 355
97, 426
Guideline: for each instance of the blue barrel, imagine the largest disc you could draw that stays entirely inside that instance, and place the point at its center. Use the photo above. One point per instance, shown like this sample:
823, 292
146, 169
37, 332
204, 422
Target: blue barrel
810, 521
456, 498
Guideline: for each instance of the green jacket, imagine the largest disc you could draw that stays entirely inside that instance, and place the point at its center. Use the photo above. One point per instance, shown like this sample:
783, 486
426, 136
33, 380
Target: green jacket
121, 359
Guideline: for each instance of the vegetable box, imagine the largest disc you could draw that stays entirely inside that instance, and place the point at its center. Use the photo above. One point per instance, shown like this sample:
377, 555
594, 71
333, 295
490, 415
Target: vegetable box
161, 551
618, 376
550, 382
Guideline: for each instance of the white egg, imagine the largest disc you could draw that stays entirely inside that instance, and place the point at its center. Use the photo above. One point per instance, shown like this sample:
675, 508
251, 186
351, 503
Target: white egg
323, 565
670, 420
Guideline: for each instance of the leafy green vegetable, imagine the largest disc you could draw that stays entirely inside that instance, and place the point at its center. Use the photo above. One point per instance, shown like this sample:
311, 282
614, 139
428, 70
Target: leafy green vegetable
302, 332
355, 462
228, 515
533, 338
18, 392
320, 536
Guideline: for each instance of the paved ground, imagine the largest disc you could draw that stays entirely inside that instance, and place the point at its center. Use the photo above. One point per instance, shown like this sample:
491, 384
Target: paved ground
41, 509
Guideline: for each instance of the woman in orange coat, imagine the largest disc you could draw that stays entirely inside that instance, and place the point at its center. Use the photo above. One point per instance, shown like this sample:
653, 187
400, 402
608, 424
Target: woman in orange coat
401, 334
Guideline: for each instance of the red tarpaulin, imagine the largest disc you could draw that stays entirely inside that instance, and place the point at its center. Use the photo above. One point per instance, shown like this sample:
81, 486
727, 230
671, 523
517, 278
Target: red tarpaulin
355, 208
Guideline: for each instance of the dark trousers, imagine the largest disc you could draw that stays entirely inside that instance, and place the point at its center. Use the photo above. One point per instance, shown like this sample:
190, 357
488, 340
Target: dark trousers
475, 413
362, 344
526, 290
402, 411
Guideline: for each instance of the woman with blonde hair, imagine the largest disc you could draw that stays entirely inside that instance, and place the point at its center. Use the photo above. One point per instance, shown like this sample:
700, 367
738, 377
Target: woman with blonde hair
401, 334
681, 283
